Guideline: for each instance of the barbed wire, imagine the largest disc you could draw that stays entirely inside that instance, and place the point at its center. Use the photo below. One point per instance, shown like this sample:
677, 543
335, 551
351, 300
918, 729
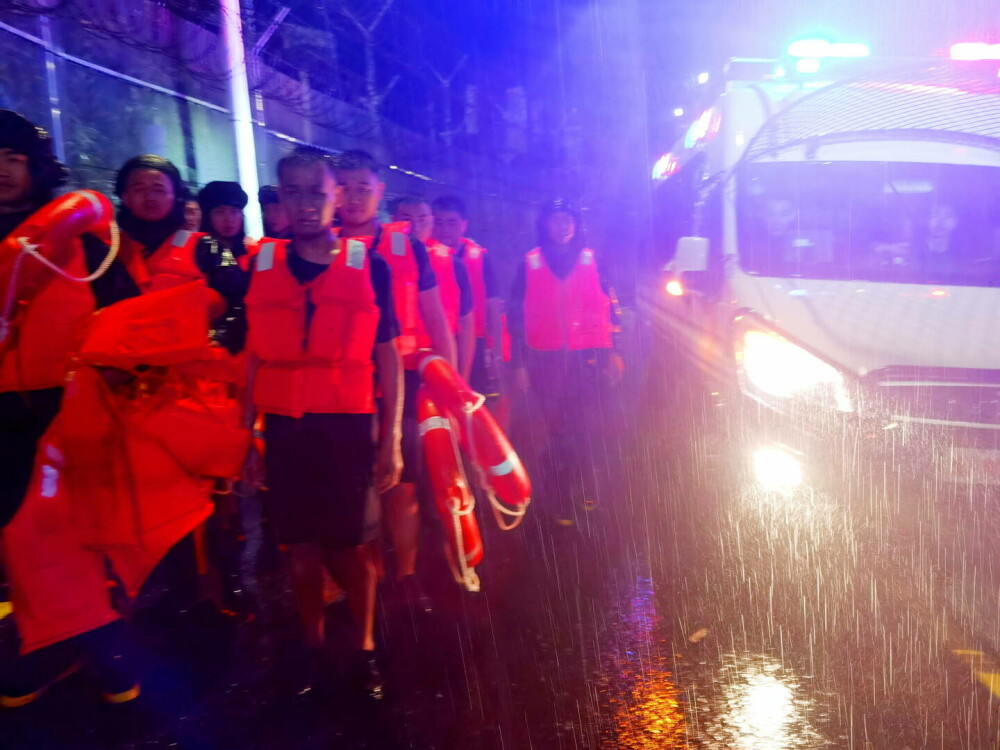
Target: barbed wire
334, 98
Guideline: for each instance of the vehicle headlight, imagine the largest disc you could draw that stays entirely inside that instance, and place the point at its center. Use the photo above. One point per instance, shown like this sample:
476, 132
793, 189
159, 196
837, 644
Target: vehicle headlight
775, 367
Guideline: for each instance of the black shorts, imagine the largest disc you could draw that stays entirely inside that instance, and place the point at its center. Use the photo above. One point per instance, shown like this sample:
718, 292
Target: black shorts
24, 418
412, 455
320, 479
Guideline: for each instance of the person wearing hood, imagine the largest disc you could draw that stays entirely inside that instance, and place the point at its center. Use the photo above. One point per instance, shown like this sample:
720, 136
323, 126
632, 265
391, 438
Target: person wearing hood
563, 316
220, 255
32, 375
39, 337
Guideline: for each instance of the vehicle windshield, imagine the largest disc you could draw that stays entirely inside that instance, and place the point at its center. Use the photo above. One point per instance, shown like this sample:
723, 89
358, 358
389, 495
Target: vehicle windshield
872, 221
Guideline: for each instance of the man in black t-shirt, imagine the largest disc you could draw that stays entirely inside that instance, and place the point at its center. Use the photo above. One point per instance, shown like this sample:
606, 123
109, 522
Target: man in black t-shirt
320, 326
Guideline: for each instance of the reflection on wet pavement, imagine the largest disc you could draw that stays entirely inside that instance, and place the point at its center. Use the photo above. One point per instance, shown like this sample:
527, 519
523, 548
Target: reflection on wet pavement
764, 707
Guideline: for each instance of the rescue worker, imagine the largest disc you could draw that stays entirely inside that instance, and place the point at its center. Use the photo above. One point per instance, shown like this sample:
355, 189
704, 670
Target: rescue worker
34, 359
423, 327
192, 214
219, 255
151, 218
276, 223
322, 323
482, 369
455, 294
30, 392
563, 320
225, 244
163, 254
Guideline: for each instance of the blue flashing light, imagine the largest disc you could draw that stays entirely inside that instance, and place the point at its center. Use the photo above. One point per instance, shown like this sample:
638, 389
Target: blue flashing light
808, 65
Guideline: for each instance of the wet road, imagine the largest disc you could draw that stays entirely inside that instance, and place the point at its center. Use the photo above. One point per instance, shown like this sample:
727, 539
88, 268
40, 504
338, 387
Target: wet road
687, 610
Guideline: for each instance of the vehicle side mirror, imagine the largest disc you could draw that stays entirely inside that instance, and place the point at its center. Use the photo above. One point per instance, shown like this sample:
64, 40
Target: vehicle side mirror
691, 255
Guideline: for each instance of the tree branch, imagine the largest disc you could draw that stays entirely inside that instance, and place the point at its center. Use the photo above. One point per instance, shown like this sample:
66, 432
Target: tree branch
380, 15
387, 90
446, 80
346, 13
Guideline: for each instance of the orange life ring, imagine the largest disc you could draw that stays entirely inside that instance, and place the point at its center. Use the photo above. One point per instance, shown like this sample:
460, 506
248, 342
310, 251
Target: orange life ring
482, 439
53, 227
452, 496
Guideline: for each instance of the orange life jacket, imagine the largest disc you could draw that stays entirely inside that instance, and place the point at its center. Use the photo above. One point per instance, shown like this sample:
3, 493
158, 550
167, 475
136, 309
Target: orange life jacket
394, 245
473, 259
119, 473
442, 260
565, 314
44, 329
58, 586
322, 365
172, 264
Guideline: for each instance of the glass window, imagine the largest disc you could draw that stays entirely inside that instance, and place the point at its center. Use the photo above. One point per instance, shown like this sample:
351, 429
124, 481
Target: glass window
873, 221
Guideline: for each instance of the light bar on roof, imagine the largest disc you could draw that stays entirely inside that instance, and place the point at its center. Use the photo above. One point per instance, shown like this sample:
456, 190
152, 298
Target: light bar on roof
817, 49
849, 49
975, 51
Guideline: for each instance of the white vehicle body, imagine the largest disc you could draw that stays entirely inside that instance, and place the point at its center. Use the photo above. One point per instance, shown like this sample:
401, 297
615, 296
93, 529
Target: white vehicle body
856, 224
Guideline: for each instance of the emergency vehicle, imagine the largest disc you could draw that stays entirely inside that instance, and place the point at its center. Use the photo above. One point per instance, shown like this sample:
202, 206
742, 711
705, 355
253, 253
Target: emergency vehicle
833, 225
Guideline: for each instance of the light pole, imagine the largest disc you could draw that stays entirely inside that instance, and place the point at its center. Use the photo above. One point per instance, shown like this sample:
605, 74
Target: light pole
239, 106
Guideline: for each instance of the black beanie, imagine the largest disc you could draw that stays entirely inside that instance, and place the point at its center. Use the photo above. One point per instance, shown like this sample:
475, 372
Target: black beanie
150, 161
558, 206
267, 195
218, 193
24, 137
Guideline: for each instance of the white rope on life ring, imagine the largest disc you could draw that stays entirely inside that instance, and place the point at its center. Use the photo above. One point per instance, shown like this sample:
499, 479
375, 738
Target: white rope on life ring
29, 249
499, 509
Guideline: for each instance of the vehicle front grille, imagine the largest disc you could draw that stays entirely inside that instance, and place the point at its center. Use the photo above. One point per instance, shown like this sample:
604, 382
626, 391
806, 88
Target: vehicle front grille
964, 401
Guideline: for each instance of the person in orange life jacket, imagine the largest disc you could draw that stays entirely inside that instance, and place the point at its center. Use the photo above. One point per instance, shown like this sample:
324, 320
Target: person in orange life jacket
423, 326
276, 223
192, 214
481, 368
322, 323
152, 213
32, 373
31, 376
456, 299
417, 210
162, 254
277, 226
562, 322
